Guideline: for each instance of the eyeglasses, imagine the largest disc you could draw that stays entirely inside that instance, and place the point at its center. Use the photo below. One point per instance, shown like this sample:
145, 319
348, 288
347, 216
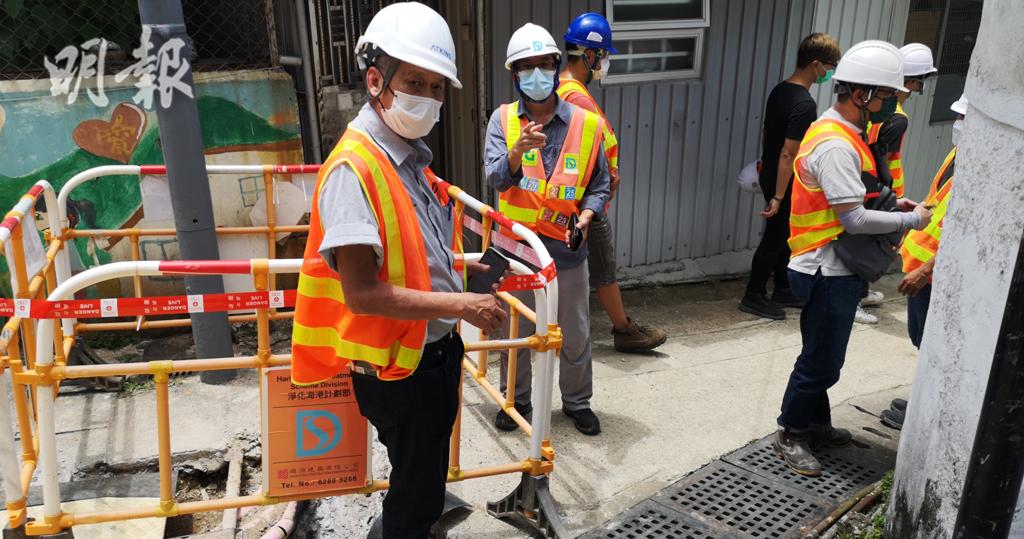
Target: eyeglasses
884, 93
546, 65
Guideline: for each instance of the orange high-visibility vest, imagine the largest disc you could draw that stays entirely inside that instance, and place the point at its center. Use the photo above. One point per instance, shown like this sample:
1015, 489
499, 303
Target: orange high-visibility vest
812, 221
920, 246
572, 91
895, 158
326, 335
544, 205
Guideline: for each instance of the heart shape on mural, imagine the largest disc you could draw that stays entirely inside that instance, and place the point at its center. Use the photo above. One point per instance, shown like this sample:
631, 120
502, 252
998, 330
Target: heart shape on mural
116, 139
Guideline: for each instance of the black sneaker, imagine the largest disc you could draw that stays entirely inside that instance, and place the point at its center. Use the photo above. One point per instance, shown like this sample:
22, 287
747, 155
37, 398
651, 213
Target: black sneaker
585, 420
505, 422
900, 405
894, 419
794, 450
828, 436
759, 305
784, 297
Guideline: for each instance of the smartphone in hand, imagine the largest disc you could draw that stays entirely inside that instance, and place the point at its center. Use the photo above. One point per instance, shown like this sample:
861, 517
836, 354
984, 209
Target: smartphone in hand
575, 234
481, 283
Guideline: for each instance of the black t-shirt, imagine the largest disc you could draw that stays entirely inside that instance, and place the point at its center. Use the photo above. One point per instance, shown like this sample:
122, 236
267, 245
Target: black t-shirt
790, 110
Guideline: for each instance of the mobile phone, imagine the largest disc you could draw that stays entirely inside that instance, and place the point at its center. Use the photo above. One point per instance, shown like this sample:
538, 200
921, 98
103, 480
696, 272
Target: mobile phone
575, 234
481, 283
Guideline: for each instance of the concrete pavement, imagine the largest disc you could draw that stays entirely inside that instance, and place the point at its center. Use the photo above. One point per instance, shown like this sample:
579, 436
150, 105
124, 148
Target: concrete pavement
713, 387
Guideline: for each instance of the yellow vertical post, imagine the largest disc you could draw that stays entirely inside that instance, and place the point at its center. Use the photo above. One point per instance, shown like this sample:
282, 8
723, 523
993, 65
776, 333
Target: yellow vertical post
454, 458
486, 228
261, 271
136, 279
59, 357
268, 188
28, 451
161, 377
28, 329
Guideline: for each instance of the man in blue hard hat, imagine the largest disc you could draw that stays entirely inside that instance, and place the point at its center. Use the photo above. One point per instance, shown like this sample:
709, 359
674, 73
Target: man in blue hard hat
588, 44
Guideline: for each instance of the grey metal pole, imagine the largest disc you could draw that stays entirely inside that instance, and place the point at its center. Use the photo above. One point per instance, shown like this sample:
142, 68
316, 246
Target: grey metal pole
182, 145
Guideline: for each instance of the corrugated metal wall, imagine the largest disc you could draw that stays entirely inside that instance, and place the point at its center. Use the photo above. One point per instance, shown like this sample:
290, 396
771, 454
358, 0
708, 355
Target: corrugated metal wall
851, 21
682, 142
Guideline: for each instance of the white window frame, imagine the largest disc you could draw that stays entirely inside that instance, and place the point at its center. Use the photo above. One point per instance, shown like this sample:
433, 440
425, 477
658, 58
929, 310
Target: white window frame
662, 29
667, 24
625, 78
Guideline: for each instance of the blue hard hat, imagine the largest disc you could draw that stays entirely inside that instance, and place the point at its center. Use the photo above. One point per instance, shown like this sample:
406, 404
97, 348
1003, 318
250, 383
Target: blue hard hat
591, 30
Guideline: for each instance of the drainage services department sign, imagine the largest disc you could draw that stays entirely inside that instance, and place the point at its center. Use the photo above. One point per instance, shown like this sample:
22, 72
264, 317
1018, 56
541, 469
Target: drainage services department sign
314, 439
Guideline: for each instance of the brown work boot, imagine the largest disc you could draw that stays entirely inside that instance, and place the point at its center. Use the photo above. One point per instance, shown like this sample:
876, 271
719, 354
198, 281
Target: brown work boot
794, 450
637, 338
829, 436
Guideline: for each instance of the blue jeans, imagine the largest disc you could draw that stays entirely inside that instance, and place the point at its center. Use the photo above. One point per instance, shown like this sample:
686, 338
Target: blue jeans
825, 325
917, 312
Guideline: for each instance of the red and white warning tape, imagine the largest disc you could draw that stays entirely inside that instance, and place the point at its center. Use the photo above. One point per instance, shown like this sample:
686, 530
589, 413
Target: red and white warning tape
151, 306
524, 252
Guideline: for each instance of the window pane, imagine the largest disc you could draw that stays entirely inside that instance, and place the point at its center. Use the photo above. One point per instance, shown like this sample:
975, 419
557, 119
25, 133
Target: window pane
655, 10
686, 44
642, 46
646, 55
673, 63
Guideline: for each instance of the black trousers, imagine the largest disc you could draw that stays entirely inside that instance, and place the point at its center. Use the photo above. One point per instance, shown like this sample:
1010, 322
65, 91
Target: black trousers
414, 419
772, 255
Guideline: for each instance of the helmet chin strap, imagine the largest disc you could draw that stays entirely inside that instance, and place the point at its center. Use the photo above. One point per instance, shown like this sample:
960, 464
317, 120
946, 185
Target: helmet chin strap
390, 74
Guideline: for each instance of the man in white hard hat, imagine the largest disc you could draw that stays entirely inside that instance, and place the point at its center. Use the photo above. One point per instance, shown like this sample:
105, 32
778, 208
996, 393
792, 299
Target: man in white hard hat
378, 291
919, 250
841, 234
886, 142
544, 156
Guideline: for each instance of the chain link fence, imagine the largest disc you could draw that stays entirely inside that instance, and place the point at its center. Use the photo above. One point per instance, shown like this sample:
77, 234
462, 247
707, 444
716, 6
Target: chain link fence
226, 34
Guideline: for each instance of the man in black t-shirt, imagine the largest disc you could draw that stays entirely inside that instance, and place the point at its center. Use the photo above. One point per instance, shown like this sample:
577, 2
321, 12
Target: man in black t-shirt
790, 110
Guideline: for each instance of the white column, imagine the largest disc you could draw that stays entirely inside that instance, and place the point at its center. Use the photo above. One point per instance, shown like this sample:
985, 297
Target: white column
979, 246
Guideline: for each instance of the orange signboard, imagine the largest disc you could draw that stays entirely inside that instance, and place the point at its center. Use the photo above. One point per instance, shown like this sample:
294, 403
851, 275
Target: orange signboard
314, 439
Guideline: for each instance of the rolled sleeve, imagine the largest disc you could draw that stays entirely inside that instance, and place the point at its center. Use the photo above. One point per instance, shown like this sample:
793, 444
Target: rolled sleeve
599, 190
496, 156
346, 216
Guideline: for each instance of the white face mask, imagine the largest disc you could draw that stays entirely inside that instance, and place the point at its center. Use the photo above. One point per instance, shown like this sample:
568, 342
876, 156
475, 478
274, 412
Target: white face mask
606, 63
411, 116
958, 129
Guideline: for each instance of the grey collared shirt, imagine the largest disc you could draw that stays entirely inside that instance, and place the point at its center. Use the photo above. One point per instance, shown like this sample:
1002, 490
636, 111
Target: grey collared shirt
500, 178
348, 220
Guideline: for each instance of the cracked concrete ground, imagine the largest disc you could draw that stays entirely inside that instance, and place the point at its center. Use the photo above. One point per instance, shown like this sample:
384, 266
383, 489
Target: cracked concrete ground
713, 387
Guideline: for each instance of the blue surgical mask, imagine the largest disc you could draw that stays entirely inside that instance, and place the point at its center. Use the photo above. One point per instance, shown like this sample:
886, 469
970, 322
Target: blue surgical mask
826, 77
537, 84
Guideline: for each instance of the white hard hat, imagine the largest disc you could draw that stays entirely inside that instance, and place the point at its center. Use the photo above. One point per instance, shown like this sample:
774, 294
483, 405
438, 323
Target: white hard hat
748, 177
413, 33
917, 60
872, 63
960, 106
528, 41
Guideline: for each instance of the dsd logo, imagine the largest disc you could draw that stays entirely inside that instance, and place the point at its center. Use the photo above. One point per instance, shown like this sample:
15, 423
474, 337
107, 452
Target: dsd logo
311, 439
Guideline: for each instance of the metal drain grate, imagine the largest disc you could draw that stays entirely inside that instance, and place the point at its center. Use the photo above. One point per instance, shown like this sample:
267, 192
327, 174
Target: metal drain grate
724, 495
651, 520
846, 471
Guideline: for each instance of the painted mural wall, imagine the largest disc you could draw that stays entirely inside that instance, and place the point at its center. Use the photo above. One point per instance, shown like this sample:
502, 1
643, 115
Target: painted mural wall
246, 117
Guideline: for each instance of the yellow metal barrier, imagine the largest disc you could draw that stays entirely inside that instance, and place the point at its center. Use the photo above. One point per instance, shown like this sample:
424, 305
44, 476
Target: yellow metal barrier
38, 372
